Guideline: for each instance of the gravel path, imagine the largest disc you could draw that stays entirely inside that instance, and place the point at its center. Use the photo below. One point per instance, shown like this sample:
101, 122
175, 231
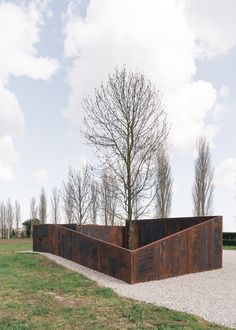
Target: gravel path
211, 295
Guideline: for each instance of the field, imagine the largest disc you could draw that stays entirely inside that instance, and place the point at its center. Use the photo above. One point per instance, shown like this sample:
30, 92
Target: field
226, 247
38, 294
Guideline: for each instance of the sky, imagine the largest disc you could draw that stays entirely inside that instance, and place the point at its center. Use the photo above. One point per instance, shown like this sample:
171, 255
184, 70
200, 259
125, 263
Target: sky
53, 53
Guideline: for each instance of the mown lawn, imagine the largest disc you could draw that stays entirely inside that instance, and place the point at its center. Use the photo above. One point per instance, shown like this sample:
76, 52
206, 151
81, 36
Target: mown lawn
35, 293
226, 247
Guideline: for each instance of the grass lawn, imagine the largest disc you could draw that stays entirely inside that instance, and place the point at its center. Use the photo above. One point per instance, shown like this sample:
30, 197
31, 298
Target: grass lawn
35, 293
225, 247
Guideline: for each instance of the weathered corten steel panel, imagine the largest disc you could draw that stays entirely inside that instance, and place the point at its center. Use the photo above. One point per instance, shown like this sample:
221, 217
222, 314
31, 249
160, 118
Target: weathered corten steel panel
159, 229
72, 226
217, 237
87, 251
165, 265
115, 261
40, 238
143, 264
180, 257
194, 249
206, 247
145, 232
111, 234
151, 230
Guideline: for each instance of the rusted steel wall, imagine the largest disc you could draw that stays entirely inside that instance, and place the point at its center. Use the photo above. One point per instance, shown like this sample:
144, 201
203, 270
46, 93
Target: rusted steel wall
193, 250
40, 238
111, 234
151, 230
72, 226
87, 251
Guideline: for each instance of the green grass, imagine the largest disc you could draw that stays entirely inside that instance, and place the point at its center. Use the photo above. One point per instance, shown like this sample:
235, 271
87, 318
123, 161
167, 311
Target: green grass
35, 293
226, 247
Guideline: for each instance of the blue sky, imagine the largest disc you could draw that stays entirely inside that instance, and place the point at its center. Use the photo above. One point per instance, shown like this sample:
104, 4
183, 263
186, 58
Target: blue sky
54, 52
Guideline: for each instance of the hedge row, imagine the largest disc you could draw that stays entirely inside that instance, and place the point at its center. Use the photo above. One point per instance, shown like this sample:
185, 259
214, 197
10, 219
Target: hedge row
229, 239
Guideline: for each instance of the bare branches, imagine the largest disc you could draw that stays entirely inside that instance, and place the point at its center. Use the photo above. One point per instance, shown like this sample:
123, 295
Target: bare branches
94, 204
55, 205
68, 201
9, 218
77, 194
108, 200
203, 185
33, 209
3, 221
42, 207
17, 217
127, 124
33, 213
163, 185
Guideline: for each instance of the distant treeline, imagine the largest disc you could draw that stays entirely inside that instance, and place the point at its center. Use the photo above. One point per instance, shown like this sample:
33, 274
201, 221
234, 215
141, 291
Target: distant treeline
229, 239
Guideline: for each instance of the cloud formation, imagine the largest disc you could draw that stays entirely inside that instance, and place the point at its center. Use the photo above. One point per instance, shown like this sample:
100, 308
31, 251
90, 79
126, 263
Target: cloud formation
225, 182
8, 157
164, 39
225, 173
214, 26
20, 27
39, 177
19, 33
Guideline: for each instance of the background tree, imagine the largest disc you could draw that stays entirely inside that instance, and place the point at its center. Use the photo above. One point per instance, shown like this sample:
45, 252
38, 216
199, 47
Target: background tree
55, 205
9, 218
77, 190
203, 184
17, 217
127, 124
28, 224
33, 213
67, 198
3, 220
163, 184
94, 205
108, 199
42, 211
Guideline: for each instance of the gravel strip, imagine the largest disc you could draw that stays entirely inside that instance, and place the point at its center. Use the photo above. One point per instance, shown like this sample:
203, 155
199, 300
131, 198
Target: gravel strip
211, 295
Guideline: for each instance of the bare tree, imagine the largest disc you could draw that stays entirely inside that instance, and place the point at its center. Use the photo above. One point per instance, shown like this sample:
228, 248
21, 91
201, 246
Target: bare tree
203, 185
17, 217
55, 205
9, 218
33, 209
108, 201
94, 201
78, 189
33, 213
3, 220
163, 184
67, 197
127, 124
42, 207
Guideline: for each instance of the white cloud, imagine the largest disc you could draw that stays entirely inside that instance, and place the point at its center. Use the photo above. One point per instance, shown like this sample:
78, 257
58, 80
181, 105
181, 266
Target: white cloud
225, 192
11, 116
225, 173
19, 33
7, 150
20, 27
188, 107
39, 177
214, 25
6, 173
158, 39
224, 92
8, 158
